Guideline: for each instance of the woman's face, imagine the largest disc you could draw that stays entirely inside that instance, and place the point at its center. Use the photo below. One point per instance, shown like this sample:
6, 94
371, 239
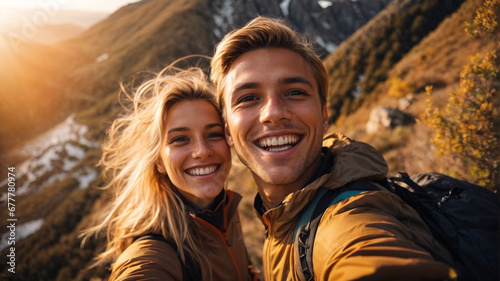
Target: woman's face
195, 154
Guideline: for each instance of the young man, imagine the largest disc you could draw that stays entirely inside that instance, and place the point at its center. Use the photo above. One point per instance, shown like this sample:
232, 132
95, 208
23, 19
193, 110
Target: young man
272, 92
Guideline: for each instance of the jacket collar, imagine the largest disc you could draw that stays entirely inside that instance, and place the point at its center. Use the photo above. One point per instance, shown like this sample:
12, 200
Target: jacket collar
325, 167
345, 161
221, 211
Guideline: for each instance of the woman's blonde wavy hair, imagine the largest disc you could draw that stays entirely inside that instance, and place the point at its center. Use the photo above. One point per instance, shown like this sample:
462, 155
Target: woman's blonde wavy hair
144, 200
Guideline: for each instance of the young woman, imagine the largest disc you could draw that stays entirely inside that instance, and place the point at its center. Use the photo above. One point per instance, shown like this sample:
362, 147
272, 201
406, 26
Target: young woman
171, 218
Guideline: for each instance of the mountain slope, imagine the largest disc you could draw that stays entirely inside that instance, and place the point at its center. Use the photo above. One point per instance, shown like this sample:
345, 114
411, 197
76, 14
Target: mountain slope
436, 60
362, 61
328, 26
82, 72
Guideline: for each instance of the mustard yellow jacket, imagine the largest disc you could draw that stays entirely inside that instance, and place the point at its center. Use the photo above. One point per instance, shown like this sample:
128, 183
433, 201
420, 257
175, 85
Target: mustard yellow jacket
370, 236
150, 259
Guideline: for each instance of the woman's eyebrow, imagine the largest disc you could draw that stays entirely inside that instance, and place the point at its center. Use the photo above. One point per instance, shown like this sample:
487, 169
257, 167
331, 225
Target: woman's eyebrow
213, 125
178, 129
185, 129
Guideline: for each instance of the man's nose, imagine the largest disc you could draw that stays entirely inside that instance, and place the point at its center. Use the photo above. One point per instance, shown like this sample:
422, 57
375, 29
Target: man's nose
202, 149
274, 110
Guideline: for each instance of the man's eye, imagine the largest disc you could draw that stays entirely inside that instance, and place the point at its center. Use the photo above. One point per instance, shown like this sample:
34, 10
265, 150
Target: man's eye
297, 93
246, 99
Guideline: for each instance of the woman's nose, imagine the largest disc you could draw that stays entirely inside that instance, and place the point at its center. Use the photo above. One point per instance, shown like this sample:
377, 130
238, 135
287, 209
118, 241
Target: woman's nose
202, 149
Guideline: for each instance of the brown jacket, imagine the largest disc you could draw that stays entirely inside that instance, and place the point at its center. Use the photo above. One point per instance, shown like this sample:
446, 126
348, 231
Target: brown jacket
370, 236
155, 260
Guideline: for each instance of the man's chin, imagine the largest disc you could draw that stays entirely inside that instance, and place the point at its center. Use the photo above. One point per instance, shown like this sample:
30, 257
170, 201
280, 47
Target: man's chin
277, 177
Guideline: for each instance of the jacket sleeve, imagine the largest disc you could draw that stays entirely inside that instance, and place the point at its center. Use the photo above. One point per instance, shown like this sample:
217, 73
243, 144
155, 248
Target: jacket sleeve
375, 236
149, 260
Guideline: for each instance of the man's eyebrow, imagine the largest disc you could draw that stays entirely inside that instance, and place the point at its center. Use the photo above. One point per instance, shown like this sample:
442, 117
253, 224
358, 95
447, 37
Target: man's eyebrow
285, 80
245, 86
296, 79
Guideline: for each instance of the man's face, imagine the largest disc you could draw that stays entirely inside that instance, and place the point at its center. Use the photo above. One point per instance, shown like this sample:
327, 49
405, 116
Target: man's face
274, 117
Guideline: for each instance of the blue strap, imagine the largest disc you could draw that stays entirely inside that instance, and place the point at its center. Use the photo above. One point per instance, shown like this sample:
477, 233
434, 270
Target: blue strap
307, 213
345, 195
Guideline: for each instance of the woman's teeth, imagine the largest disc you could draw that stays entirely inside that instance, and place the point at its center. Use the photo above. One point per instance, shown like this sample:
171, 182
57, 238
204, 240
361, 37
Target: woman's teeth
202, 171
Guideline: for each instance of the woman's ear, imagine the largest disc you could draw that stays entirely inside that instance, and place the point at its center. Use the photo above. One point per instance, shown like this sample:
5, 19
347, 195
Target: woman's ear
229, 138
160, 167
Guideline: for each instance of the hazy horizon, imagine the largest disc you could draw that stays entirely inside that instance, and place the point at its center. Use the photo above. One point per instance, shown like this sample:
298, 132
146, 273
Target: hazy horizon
28, 15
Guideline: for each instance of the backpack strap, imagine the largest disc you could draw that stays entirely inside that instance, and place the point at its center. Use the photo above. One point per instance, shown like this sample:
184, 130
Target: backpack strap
305, 230
190, 270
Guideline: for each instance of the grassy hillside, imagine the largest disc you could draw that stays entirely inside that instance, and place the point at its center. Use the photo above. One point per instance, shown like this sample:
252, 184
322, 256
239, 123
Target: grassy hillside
363, 61
52, 81
436, 60
26, 92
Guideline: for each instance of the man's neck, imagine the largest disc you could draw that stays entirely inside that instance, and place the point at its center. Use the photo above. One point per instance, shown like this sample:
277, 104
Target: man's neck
273, 194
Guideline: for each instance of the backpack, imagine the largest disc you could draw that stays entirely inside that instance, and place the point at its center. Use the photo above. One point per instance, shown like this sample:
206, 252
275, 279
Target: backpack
190, 270
462, 216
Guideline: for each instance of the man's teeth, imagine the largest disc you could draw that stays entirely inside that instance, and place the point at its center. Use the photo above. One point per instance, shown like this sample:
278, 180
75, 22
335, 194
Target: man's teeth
278, 149
202, 171
287, 140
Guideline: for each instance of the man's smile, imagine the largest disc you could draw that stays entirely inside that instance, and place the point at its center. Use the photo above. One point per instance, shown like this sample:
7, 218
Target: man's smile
278, 143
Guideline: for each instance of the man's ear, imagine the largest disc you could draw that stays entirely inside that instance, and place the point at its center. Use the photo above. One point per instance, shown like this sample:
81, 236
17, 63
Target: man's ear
160, 167
229, 138
325, 119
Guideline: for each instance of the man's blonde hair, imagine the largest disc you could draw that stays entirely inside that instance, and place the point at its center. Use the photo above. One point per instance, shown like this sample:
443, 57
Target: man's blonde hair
263, 33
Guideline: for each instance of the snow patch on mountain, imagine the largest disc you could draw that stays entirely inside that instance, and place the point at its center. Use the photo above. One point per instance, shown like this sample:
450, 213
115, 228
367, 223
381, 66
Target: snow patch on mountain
22, 231
285, 5
325, 4
51, 157
328, 46
224, 18
358, 89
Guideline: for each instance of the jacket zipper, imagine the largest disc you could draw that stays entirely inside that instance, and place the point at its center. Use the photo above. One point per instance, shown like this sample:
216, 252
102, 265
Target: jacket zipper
268, 275
223, 237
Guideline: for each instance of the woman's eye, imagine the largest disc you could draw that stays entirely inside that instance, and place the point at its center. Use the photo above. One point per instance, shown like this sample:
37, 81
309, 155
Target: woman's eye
216, 135
178, 140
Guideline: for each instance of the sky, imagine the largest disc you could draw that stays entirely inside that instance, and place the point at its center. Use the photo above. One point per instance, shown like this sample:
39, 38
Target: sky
17, 14
107, 6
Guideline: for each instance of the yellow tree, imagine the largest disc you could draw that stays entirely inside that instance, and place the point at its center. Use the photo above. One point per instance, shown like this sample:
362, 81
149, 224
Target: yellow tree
485, 20
466, 127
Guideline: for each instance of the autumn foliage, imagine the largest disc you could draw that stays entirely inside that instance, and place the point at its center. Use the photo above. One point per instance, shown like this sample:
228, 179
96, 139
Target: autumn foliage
465, 128
485, 20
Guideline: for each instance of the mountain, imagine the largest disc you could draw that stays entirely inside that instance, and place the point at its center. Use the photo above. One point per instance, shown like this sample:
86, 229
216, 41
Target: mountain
69, 76
363, 61
57, 32
435, 60
60, 98
329, 26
